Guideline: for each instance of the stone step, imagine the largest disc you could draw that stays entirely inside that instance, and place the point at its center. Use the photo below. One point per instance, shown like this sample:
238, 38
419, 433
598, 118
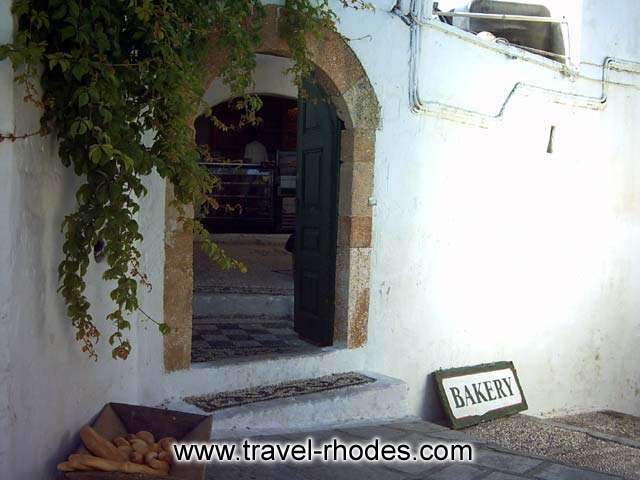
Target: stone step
240, 305
383, 399
253, 371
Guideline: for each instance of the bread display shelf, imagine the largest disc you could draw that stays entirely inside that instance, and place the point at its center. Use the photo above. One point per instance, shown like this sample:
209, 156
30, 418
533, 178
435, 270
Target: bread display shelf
119, 419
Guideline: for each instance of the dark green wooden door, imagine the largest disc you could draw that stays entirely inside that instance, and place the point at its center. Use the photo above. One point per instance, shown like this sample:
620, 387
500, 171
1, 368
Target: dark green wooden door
316, 216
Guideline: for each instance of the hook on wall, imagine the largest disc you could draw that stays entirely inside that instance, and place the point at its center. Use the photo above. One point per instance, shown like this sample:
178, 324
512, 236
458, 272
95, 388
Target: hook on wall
552, 134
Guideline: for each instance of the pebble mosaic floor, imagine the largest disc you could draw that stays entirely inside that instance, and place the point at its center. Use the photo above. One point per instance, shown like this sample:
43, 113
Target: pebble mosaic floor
224, 339
491, 462
218, 401
603, 441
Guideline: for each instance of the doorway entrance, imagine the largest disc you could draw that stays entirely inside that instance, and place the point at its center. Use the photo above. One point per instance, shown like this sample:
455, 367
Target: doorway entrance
275, 210
341, 74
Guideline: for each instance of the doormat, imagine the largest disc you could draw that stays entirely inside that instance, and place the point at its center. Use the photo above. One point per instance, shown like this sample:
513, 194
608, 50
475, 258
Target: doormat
236, 398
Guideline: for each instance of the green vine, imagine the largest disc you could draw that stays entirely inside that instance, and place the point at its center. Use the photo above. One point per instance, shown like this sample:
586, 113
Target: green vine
106, 73
302, 17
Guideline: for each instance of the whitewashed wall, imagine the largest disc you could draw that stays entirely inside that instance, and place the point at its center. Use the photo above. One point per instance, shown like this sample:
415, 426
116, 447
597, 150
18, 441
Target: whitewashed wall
485, 247
269, 78
48, 388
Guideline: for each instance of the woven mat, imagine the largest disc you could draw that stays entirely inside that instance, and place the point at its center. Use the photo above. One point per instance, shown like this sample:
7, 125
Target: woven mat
218, 401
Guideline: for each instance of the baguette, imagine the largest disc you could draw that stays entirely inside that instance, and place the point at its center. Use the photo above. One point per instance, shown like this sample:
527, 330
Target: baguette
98, 445
97, 463
137, 468
71, 465
66, 467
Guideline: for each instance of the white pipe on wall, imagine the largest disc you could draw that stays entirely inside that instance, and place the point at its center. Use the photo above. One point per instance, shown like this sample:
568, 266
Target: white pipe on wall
420, 18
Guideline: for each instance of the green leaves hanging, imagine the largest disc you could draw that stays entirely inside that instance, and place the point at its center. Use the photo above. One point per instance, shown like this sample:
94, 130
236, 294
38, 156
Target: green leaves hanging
112, 70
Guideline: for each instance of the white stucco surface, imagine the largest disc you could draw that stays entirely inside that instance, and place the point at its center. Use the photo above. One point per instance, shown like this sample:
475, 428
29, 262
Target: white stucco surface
48, 388
488, 248
485, 246
269, 78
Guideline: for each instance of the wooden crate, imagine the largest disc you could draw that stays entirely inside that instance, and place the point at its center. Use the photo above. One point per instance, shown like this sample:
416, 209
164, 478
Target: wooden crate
118, 419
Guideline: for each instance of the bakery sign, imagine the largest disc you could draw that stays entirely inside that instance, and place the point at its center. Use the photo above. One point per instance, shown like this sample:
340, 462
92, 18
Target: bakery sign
471, 395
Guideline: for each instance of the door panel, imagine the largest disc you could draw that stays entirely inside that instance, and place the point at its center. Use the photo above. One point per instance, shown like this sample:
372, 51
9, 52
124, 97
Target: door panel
312, 178
316, 217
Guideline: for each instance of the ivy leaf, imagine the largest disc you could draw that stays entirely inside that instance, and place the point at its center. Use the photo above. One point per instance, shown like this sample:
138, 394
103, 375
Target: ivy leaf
93, 93
20, 8
83, 99
95, 154
79, 70
83, 193
106, 115
80, 126
59, 13
75, 126
124, 325
108, 149
115, 336
4, 51
40, 19
74, 8
67, 32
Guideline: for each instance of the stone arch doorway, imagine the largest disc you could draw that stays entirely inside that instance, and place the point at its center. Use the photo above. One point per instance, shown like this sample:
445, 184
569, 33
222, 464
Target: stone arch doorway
340, 73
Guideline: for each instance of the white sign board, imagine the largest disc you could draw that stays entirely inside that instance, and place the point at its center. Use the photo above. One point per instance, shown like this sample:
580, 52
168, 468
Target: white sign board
474, 394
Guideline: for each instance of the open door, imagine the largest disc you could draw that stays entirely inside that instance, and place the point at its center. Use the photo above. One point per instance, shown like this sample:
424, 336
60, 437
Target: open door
316, 217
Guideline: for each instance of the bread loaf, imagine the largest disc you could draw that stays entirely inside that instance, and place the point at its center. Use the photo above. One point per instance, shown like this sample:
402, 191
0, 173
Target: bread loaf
152, 460
125, 450
140, 446
131, 453
121, 442
165, 456
65, 467
136, 457
98, 445
146, 436
72, 464
96, 463
166, 442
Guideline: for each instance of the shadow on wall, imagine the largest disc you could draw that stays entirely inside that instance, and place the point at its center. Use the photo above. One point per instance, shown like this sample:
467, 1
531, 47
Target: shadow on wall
431, 408
67, 444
